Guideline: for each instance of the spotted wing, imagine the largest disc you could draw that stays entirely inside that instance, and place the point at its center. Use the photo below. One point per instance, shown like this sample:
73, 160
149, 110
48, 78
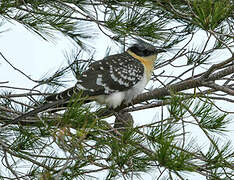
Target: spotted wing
114, 73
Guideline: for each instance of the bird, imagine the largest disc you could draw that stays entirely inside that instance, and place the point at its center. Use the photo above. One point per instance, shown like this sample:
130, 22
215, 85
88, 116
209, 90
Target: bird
116, 78
113, 80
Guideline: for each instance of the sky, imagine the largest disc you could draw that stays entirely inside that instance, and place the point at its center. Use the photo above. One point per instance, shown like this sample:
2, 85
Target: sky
36, 57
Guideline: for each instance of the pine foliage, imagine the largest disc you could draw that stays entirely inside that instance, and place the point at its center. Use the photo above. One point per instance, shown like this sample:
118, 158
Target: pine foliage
190, 89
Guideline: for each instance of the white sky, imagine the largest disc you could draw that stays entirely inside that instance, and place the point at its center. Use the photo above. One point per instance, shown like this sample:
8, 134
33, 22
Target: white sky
35, 57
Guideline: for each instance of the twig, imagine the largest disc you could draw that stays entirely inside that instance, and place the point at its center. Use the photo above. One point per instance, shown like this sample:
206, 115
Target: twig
8, 165
17, 69
217, 66
25, 157
4, 82
218, 87
214, 34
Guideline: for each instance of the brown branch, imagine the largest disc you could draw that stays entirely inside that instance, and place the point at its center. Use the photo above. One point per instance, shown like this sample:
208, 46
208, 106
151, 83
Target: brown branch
181, 86
217, 66
219, 88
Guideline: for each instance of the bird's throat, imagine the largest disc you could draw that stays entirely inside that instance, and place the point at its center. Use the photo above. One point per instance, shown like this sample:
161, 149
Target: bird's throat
147, 61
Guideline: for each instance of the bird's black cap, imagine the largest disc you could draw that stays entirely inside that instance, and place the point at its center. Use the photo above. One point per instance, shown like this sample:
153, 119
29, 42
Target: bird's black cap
142, 48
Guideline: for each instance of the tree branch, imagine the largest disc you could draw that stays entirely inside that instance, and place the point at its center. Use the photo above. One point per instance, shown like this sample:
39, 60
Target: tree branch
181, 86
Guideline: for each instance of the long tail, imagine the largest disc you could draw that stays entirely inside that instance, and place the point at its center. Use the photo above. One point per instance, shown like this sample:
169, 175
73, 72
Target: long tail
35, 111
56, 100
62, 95
67, 95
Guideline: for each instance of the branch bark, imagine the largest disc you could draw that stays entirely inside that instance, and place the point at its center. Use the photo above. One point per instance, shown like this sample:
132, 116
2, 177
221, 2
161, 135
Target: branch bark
181, 86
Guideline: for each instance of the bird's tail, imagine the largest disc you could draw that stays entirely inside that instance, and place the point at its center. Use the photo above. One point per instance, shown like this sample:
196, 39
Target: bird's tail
68, 96
65, 95
35, 111
59, 100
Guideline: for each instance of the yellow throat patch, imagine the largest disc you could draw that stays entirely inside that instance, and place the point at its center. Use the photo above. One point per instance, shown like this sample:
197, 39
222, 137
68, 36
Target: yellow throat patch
147, 61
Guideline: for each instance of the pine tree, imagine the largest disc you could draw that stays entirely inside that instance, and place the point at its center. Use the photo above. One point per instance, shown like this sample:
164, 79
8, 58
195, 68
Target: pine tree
190, 89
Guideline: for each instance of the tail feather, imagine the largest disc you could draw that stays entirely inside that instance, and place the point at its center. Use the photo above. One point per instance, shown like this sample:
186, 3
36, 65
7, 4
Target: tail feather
56, 100
35, 111
66, 95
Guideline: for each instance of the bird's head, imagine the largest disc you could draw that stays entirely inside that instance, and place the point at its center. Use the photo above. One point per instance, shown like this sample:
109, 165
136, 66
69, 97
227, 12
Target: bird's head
144, 49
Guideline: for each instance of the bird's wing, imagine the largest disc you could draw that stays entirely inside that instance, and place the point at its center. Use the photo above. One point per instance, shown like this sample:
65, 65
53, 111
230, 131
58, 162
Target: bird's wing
114, 73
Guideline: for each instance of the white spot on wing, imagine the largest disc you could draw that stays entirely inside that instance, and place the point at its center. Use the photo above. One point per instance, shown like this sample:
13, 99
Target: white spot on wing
99, 80
114, 77
79, 86
121, 82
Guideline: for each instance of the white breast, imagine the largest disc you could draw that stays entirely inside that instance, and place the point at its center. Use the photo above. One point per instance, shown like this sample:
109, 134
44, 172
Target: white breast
116, 98
136, 89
